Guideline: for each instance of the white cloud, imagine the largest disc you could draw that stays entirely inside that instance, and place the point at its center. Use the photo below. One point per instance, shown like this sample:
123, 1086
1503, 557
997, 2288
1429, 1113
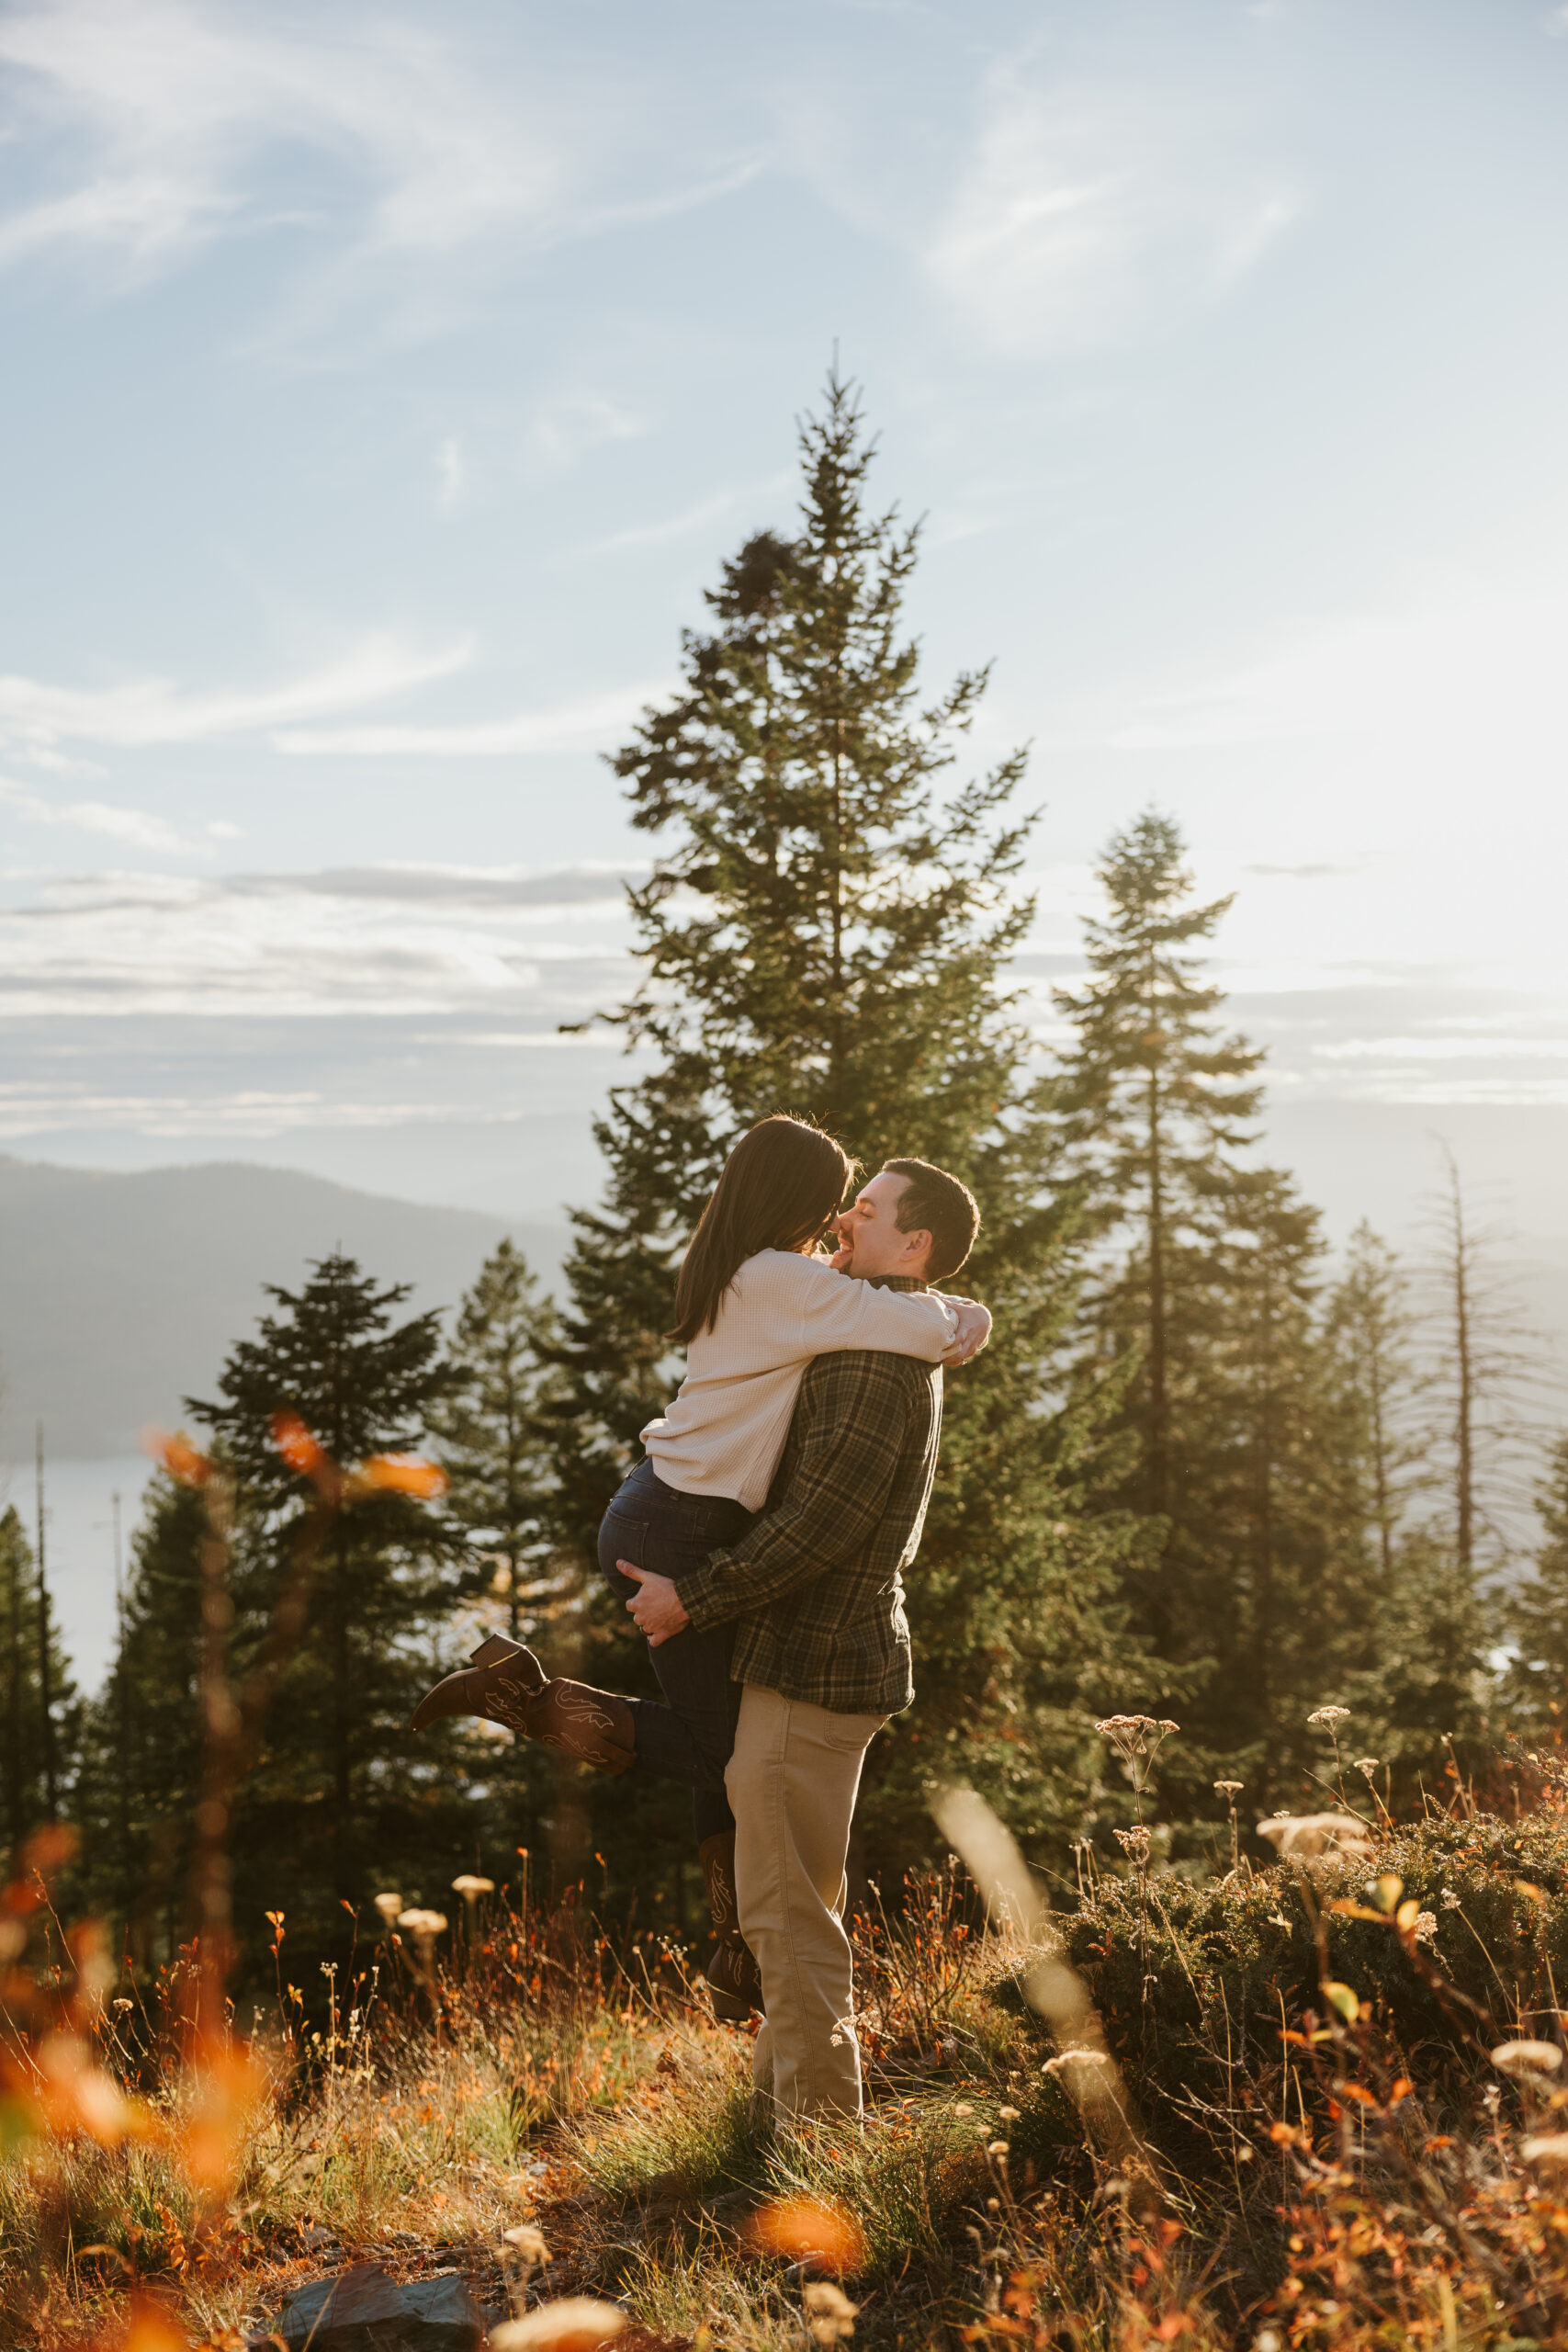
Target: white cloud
163, 123
532, 949
148, 710
582, 724
1089, 210
178, 102
563, 429
449, 474
696, 518
137, 828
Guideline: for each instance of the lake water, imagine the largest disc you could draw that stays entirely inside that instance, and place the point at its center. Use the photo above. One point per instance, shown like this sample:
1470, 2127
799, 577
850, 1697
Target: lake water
79, 1545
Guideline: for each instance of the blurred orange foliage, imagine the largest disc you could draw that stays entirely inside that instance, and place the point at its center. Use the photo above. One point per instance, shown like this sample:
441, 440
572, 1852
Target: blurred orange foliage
804, 2229
401, 1474
179, 1456
298, 1447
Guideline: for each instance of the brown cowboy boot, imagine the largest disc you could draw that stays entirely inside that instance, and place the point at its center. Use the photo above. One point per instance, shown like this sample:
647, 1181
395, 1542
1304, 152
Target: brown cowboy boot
506, 1684
595, 1727
499, 1674
734, 1982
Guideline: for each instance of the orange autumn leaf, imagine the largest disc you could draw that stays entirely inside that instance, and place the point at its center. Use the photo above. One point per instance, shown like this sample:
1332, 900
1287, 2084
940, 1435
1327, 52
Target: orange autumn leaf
298, 1447
184, 1462
46, 1851
76, 2095
403, 1473
219, 2118
150, 2328
804, 2229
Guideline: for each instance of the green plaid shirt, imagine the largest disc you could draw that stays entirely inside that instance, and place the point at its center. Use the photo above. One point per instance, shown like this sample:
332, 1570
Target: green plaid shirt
817, 1583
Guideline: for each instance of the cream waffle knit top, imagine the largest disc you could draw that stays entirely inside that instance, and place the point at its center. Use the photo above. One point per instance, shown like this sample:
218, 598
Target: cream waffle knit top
726, 1431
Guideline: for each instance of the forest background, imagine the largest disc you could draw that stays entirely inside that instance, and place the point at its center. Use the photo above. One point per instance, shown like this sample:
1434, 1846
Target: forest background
1199, 1473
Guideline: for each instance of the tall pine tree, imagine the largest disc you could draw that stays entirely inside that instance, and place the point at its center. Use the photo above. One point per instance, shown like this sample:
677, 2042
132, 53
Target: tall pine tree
1204, 1267
340, 1799
36, 1769
825, 931
141, 1774
1370, 1338
493, 1432
1536, 1683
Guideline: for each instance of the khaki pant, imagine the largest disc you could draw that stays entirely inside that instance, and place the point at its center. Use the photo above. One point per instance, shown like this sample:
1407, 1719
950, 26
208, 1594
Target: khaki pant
793, 1780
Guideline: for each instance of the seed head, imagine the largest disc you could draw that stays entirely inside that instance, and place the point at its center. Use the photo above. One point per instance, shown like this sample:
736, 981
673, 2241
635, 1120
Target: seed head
829, 2313
1526, 2057
1328, 1718
468, 1886
577, 2323
388, 1907
529, 2242
1229, 1788
1065, 2058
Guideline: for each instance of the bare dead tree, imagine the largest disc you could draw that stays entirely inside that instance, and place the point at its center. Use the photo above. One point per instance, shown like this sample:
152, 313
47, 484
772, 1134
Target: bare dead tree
1491, 1376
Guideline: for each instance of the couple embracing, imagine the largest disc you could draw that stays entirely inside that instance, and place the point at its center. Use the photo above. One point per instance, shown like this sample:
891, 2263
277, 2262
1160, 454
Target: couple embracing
761, 1547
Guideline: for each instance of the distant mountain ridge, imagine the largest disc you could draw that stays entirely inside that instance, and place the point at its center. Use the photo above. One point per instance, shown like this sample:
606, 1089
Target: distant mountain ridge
122, 1293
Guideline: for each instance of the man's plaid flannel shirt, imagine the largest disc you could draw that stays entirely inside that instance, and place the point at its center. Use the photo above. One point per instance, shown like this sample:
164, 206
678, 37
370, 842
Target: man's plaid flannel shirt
817, 1583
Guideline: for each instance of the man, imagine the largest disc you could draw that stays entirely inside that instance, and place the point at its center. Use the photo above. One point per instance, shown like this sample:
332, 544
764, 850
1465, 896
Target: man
815, 1589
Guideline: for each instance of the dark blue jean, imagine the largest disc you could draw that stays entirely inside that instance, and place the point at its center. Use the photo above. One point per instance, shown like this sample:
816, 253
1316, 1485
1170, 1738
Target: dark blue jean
689, 1738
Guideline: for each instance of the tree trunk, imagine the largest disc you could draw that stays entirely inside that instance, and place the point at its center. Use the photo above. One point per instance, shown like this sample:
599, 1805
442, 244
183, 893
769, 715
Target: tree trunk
1159, 1404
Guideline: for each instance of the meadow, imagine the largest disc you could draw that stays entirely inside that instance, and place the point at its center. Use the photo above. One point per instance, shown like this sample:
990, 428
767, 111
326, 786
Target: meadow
1314, 2102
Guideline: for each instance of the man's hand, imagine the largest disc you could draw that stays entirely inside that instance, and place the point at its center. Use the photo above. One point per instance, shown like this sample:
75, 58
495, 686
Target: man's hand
974, 1331
656, 1609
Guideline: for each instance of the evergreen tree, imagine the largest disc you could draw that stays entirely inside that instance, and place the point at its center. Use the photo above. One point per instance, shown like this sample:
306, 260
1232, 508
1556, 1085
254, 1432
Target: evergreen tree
37, 1754
339, 1801
1251, 1554
494, 1440
1370, 1338
142, 1772
494, 1437
1424, 1695
1535, 1687
1207, 1267
1155, 1105
822, 933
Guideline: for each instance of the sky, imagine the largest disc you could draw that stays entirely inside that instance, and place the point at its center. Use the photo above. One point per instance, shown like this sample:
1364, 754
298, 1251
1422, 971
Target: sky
381, 386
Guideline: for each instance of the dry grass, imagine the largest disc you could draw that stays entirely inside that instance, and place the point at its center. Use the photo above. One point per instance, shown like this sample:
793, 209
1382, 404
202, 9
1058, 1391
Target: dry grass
1334, 2159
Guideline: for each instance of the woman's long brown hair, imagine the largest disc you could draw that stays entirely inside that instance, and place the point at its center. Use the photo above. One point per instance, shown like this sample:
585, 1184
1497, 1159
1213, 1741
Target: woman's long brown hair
780, 1184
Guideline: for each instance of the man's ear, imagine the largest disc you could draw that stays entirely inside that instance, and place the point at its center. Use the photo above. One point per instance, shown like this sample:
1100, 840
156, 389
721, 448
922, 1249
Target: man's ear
916, 1245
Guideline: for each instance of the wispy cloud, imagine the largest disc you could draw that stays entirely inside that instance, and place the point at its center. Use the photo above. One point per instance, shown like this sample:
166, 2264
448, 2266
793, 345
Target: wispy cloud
136, 827
1087, 210
565, 428
163, 123
695, 517
582, 724
36, 716
532, 948
449, 473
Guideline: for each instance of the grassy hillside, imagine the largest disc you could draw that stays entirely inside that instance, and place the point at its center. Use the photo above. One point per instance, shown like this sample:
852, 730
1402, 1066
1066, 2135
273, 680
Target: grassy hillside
1335, 2122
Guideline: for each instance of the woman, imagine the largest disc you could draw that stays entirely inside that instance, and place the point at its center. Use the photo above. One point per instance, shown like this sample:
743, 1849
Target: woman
754, 1303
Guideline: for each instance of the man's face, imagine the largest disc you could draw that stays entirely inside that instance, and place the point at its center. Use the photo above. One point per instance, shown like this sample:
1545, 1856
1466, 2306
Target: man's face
868, 1232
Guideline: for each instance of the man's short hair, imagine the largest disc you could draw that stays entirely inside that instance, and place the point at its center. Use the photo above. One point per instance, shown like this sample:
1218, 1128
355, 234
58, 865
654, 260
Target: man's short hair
935, 1202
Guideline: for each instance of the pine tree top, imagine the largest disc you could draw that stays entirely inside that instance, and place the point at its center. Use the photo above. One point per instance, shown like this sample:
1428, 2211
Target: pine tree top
824, 931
